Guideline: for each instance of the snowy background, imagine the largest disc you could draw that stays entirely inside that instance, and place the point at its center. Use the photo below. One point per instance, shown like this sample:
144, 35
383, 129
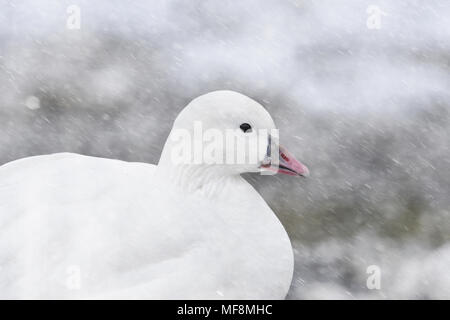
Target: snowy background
368, 110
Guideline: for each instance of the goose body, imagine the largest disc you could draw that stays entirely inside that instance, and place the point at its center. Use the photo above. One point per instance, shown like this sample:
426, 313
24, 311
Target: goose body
73, 226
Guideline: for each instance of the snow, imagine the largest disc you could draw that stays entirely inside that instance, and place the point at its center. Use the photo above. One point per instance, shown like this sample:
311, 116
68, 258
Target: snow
32, 103
366, 109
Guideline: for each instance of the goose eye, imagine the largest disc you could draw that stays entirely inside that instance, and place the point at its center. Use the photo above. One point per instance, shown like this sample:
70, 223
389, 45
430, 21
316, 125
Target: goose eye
246, 127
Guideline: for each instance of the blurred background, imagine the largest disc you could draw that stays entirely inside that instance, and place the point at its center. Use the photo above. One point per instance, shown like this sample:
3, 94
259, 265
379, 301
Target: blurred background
359, 90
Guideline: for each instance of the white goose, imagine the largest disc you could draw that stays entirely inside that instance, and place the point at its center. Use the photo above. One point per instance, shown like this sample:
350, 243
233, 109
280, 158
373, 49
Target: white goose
73, 226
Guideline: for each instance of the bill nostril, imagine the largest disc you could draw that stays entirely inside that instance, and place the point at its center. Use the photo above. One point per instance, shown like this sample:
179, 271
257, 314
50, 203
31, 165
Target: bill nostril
285, 158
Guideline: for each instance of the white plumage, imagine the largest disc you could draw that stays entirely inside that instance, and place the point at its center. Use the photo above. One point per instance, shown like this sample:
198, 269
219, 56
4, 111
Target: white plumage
73, 226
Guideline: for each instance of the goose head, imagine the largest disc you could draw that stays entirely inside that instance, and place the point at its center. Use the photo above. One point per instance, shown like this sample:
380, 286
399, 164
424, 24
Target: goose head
227, 133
